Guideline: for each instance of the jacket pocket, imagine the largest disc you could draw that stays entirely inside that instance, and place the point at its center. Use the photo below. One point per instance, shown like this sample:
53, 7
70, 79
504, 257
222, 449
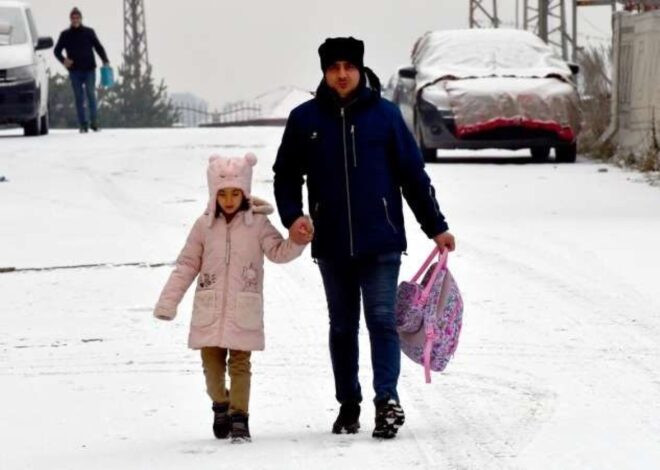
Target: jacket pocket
249, 311
204, 307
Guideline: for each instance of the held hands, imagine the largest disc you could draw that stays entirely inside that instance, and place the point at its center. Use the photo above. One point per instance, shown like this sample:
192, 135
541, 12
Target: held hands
302, 231
444, 241
68, 63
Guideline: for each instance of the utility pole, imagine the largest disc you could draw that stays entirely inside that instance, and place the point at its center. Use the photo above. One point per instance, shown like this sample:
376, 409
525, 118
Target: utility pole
136, 56
548, 19
484, 14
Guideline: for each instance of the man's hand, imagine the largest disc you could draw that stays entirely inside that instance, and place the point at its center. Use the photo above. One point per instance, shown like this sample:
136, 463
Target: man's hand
68, 63
302, 231
445, 241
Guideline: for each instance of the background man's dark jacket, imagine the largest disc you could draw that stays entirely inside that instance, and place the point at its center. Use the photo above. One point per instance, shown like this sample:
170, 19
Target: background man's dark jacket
80, 44
358, 159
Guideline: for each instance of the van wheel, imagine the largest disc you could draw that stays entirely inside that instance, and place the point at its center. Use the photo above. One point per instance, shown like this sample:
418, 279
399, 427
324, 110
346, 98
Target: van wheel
45, 124
566, 153
32, 127
540, 154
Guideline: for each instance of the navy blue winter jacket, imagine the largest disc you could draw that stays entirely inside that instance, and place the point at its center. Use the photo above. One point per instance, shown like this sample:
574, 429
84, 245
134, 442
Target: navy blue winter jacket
358, 159
80, 44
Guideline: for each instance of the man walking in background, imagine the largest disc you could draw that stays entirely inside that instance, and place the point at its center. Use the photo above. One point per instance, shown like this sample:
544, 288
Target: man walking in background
359, 158
80, 42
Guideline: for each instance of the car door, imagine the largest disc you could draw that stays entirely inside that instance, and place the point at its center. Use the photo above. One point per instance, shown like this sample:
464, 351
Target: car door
405, 92
39, 62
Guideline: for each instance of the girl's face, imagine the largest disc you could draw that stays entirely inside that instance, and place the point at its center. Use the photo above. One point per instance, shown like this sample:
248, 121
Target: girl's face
230, 200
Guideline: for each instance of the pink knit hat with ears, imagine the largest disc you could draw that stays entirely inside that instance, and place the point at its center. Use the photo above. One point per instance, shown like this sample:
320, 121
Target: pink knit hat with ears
229, 172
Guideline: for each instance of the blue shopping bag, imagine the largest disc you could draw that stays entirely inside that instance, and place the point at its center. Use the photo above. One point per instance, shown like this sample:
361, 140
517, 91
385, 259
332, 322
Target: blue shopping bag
107, 76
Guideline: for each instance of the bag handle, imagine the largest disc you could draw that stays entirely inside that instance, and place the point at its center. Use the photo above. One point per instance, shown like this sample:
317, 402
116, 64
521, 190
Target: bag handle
431, 335
442, 264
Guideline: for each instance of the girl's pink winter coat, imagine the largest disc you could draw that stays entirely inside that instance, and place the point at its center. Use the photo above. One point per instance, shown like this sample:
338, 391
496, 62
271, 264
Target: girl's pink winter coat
229, 259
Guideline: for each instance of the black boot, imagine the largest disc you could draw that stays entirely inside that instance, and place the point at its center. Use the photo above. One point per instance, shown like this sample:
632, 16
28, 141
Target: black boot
221, 420
240, 429
389, 418
94, 126
348, 421
84, 128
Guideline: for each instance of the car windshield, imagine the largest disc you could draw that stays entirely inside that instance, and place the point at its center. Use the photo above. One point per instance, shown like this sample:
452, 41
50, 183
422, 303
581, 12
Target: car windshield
12, 26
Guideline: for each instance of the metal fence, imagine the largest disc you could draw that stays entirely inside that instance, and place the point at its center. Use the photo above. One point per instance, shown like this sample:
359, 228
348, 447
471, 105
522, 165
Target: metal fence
233, 113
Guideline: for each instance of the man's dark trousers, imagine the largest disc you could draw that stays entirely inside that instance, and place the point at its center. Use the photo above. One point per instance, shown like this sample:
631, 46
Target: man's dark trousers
84, 86
374, 278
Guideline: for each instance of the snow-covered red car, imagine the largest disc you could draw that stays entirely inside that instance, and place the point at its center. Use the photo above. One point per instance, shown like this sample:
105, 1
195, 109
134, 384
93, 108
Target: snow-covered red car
489, 88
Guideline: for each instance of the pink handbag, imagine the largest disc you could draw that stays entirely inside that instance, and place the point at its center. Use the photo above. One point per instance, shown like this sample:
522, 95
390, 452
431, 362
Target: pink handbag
430, 315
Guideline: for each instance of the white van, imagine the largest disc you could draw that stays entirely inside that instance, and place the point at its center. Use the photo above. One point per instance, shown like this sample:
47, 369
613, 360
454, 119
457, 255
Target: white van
23, 71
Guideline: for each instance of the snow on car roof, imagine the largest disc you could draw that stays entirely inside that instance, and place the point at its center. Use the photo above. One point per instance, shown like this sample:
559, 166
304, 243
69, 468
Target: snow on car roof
471, 53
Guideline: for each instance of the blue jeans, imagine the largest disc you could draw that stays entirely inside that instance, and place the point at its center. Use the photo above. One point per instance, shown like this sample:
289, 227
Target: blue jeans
84, 85
375, 279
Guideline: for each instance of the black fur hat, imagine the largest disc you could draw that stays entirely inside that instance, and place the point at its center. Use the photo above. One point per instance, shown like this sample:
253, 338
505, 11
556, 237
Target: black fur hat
336, 49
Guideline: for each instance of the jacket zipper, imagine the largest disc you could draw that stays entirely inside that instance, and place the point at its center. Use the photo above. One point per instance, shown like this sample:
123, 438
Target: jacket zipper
348, 190
387, 214
354, 150
226, 283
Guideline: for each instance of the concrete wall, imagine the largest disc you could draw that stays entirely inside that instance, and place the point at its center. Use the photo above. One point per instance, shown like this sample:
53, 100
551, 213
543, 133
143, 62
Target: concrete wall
636, 97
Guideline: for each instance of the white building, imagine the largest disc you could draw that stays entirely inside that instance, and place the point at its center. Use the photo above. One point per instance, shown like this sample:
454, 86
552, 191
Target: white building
193, 110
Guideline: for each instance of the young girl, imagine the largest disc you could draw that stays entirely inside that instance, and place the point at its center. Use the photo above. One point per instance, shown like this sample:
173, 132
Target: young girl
226, 248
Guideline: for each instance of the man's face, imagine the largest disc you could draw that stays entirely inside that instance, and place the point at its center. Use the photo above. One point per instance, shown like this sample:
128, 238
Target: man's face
343, 77
76, 21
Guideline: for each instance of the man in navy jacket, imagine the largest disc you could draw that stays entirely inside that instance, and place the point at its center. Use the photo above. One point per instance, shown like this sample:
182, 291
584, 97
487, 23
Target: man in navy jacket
358, 158
80, 42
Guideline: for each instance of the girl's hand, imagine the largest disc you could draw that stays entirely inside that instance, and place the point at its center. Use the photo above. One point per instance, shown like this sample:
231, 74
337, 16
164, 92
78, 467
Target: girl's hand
163, 313
302, 231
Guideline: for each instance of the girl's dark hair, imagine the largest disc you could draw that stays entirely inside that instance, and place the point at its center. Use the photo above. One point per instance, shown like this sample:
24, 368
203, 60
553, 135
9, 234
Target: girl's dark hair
245, 205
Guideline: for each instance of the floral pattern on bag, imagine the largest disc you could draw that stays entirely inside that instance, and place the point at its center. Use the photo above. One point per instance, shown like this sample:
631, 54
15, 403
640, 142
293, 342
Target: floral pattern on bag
440, 318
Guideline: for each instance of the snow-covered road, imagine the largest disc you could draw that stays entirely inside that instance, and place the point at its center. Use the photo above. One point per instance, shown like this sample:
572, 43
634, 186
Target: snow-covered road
558, 366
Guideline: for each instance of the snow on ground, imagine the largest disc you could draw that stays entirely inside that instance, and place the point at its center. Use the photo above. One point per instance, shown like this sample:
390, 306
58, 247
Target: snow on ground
557, 366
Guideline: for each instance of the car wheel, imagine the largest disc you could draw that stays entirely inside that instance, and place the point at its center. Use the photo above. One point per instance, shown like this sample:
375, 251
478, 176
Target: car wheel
32, 127
540, 154
430, 155
566, 153
45, 124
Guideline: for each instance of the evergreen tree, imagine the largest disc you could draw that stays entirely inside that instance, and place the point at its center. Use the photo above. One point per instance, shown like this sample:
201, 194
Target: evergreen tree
134, 101
61, 102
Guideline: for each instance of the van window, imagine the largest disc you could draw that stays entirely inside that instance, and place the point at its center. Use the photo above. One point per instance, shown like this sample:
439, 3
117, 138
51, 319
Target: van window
12, 26
32, 25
